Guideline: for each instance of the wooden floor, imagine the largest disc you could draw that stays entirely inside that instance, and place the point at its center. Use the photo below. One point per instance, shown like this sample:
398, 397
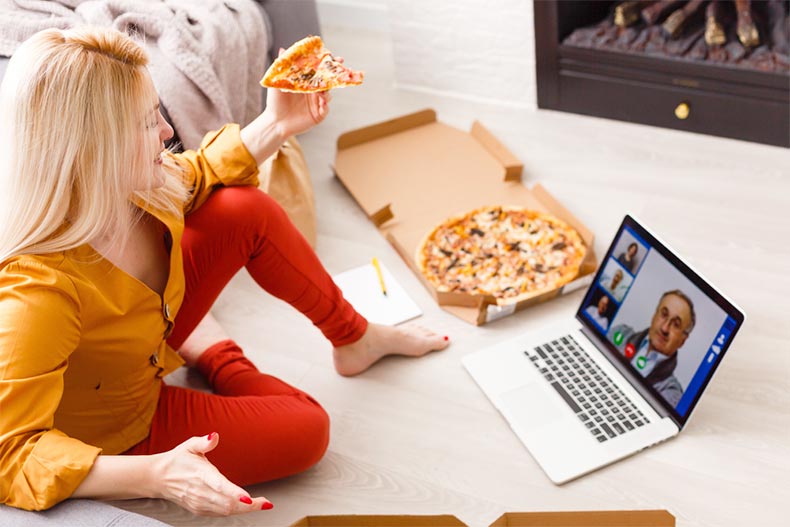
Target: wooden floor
419, 437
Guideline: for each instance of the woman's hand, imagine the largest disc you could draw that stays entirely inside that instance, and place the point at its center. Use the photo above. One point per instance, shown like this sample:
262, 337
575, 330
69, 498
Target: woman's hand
296, 113
286, 114
184, 476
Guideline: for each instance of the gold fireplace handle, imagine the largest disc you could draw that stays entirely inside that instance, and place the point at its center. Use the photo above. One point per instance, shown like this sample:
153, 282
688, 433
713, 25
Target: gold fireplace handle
682, 111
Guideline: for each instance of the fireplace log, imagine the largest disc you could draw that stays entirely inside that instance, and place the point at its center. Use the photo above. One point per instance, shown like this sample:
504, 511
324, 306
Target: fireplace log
682, 18
779, 26
714, 25
746, 29
627, 13
653, 13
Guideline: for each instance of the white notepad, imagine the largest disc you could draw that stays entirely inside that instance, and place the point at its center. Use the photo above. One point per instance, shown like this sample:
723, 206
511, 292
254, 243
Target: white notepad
362, 289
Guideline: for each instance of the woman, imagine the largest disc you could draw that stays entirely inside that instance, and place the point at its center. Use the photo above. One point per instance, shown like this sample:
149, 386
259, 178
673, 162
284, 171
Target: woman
112, 251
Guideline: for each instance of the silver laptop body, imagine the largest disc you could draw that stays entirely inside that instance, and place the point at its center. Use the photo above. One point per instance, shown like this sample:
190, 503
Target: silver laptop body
613, 381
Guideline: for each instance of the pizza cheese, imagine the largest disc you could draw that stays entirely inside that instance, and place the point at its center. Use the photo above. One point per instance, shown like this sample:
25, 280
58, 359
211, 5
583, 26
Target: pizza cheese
510, 253
307, 67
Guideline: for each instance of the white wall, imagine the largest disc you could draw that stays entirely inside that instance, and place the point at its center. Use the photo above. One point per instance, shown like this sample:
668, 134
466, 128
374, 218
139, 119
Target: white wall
356, 14
476, 49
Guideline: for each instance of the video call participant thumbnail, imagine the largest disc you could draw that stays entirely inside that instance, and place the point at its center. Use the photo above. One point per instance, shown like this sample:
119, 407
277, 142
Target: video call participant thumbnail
628, 258
598, 311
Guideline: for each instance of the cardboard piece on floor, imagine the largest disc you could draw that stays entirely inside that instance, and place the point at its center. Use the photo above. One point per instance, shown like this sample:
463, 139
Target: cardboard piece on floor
651, 518
411, 173
342, 520
361, 287
646, 518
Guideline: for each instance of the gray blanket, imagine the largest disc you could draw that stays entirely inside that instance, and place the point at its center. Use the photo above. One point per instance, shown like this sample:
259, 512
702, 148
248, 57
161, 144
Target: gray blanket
206, 57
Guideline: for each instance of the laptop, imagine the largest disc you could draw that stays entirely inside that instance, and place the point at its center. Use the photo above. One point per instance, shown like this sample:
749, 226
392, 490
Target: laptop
623, 375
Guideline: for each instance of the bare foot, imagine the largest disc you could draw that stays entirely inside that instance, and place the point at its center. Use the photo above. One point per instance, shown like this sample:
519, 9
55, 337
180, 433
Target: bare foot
207, 333
380, 341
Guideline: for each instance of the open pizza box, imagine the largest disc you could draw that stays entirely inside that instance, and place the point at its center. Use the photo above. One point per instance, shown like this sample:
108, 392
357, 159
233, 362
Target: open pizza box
411, 173
650, 518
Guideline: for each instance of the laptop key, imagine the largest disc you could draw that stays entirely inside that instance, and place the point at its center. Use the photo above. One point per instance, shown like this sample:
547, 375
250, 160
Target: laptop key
568, 398
600, 439
607, 430
628, 425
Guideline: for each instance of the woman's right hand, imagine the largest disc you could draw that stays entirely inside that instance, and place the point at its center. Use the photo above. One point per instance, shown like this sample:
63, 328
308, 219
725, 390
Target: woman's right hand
184, 476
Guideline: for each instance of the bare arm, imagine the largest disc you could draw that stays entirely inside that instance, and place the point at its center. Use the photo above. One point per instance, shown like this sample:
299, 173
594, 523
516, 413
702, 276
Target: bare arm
286, 114
119, 478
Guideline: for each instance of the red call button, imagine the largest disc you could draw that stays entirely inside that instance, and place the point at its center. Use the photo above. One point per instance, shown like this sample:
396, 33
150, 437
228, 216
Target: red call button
630, 351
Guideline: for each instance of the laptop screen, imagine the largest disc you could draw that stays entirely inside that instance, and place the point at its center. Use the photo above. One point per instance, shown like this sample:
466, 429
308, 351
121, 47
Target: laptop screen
659, 317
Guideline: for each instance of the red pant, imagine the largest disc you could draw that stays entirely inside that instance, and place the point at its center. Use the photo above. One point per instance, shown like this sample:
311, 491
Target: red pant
267, 428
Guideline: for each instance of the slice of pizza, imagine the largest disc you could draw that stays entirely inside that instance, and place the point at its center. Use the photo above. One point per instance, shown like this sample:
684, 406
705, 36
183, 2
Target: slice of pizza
307, 67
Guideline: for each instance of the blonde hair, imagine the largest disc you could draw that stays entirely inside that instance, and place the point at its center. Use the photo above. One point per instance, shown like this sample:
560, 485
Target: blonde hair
73, 152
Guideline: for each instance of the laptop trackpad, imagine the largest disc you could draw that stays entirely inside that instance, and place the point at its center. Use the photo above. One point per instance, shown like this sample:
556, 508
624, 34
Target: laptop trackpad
531, 406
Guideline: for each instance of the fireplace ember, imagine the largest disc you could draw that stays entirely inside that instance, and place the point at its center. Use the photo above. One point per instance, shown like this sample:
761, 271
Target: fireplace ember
741, 33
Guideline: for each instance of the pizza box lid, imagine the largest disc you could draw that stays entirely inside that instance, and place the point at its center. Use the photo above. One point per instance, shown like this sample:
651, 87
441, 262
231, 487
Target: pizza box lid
644, 518
411, 173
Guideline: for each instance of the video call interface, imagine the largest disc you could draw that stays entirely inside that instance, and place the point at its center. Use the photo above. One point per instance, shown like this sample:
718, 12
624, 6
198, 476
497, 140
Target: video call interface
665, 328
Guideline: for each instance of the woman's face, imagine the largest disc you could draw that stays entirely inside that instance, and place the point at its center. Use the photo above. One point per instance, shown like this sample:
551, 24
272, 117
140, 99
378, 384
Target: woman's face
157, 132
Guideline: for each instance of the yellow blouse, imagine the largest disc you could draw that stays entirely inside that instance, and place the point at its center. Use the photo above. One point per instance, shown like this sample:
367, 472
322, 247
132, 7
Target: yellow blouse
82, 346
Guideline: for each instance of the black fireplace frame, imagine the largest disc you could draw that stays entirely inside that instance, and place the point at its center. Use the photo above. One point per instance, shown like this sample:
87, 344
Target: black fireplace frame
726, 101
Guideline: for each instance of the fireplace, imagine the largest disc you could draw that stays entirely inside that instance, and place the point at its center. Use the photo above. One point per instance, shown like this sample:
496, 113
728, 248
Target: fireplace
728, 90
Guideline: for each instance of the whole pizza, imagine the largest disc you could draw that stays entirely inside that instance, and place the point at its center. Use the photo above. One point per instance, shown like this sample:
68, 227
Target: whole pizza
510, 253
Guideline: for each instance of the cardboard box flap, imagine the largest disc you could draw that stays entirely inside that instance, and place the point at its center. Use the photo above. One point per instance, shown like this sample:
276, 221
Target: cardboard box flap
385, 128
444, 520
513, 167
651, 518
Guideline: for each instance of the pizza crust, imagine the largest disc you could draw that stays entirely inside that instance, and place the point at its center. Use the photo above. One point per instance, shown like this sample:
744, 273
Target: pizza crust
483, 252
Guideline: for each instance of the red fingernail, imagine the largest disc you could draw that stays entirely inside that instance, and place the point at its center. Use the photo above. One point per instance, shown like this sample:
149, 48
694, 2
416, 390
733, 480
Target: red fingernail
267, 505
246, 499
446, 337
211, 436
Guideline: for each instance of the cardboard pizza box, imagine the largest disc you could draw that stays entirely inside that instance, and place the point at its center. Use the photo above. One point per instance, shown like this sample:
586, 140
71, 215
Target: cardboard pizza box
647, 518
348, 520
411, 173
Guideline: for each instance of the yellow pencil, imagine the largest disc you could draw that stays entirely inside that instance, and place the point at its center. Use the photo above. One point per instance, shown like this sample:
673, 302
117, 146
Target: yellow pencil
381, 276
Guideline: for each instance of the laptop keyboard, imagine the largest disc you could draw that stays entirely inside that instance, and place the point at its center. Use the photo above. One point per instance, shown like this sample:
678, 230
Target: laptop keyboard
598, 403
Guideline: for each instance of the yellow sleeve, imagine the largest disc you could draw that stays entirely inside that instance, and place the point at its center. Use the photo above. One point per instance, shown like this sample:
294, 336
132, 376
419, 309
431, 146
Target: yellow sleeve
39, 328
222, 159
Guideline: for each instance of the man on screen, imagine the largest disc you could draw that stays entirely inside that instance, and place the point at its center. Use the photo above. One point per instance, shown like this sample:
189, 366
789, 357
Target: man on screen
653, 351
597, 312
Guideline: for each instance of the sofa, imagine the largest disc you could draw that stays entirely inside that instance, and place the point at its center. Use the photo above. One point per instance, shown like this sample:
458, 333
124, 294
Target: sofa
287, 21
